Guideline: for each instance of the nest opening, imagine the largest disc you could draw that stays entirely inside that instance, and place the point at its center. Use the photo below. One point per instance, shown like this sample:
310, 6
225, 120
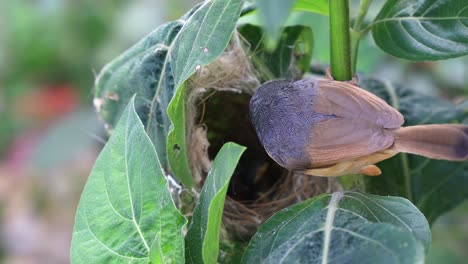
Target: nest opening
218, 112
226, 115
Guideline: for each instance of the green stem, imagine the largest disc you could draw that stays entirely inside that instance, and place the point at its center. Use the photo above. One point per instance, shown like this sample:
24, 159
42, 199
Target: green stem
362, 14
355, 38
390, 89
340, 50
356, 34
406, 176
404, 157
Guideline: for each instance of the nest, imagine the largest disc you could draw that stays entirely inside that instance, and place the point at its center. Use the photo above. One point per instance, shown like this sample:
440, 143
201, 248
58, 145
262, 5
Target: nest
241, 219
217, 112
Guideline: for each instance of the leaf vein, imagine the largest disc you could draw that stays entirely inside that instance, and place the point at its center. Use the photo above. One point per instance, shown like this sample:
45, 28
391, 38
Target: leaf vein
128, 184
370, 240
354, 198
395, 216
290, 219
290, 249
409, 34
353, 213
113, 208
102, 243
195, 41
427, 194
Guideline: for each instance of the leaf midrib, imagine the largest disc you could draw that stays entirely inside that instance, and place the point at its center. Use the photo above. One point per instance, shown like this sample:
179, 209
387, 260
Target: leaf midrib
276, 232
158, 88
328, 227
184, 70
385, 209
104, 245
128, 185
406, 18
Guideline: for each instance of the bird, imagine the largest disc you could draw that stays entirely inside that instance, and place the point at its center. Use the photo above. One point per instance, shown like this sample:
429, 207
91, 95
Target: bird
330, 128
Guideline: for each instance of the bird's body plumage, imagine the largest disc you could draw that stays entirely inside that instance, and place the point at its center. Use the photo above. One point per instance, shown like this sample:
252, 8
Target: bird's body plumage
330, 128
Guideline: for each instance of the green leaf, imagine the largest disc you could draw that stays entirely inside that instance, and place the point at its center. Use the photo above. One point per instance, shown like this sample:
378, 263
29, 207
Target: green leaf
176, 139
202, 239
273, 14
422, 30
138, 71
313, 6
449, 238
204, 37
155, 253
126, 206
294, 49
434, 186
321, 49
155, 67
343, 227
303, 49
232, 251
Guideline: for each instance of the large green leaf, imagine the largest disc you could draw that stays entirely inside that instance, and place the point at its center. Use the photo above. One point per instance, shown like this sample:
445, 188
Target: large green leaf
347, 227
423, 30
434, 186
313, 6
126, 213
141, 70
157, 66
204, 37
202, 239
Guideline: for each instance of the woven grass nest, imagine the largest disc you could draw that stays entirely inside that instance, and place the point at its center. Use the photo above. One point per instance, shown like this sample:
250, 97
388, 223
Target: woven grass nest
218, 112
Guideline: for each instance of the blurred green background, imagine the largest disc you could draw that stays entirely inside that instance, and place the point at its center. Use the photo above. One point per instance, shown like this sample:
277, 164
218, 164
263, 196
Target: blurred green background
50, 51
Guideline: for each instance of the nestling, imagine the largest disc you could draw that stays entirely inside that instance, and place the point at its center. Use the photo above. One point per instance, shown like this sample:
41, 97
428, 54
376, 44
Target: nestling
329, 128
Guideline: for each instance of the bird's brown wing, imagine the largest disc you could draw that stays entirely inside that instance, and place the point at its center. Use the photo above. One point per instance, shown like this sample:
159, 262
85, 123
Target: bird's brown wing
348, 101
361, 125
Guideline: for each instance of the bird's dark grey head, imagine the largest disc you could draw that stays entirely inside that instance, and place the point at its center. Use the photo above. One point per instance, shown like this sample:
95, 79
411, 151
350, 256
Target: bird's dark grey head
282, 113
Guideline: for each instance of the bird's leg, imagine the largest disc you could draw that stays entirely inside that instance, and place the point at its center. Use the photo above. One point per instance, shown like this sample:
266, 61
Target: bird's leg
364, 165
371, 170
354, 81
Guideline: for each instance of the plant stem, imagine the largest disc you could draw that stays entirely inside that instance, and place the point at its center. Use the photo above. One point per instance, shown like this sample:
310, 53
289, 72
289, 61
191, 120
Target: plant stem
362, 14
340, 55
404, 157
355, 38
407, 176
356, 33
